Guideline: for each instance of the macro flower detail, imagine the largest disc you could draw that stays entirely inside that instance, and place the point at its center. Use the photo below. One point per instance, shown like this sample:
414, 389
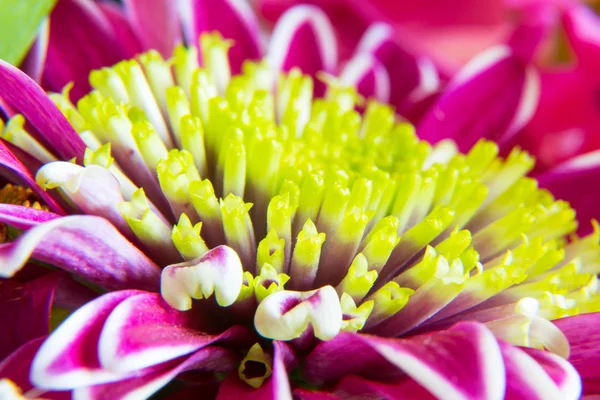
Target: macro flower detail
245, 236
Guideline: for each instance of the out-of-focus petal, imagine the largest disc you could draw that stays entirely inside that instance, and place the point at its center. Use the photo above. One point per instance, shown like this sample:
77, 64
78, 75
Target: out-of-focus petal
81, 39
156, 23
493, 97
67, 358
526, 378
411, 78
582, 27
584, 338
304, 30
208, 359
33, 64
368, 76
122, 28
570, 181
234, 19
85, 245
15, 171
562, 373
406, 389
22, 93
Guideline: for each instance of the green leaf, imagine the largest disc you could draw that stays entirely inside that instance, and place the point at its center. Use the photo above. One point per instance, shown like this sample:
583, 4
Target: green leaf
19, 22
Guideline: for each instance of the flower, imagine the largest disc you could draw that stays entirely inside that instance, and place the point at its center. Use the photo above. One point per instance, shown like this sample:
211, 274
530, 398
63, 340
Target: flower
274, 243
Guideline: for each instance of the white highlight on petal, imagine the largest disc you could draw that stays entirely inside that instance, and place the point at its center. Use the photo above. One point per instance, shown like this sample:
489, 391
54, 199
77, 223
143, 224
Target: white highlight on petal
528, 103
429, 80
582, 162
373, 37
286, 315
442, 152
359, 67
219, 271
286, 28
479, 63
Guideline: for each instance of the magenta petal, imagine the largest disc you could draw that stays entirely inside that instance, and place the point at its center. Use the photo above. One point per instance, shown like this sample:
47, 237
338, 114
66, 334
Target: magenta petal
582, 27
33, 64
584, 337
23, 217
156, 23
15, 171
25, 310
144, 330
499, 89
304, 30
369, 76
210, 359
353, 386
234, 19
81, 39
305, 394
526, 379
19, 91
68, 358
122, 28
411, 78
87, 246
559, 370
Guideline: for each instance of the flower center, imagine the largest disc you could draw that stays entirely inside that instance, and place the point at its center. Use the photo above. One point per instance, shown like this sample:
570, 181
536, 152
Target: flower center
308, 217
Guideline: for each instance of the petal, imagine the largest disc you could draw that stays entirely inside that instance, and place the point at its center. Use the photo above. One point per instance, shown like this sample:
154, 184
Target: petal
67, 359
234, 19
527, 379
19, 91
81, 39
26, 308
87, 246
559, 370
302, 30
209, 359
122, 27
16, 172
582, 27
144, 330
23, 217
570, 181
16, 366
355, 386
304, 394
411, 78
369, 76
156, 23
33, 64
584, 338
500, 89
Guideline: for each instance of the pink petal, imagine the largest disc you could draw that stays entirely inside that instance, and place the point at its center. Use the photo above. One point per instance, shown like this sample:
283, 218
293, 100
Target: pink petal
33, 64
234, 19
122, 28
87, 246
411, 78
23, 217
559, 370
584, 338
305, 394
144, 330
407, 389
369, 76
16, 172
17, 365
304, 30
582, 27
81, 39
527, 379
500, 90
19, 91
156, 23
210, 359
67, 358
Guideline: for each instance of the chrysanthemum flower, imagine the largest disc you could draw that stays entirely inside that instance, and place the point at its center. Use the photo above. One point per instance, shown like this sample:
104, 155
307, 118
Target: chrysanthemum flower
244, 238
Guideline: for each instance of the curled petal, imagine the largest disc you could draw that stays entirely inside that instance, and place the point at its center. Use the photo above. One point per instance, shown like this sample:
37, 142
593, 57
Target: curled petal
502, 90
16, 366
584, 338
234, 19
87, 246
369, 76
285, 315
303, 30
66, 359
219, 271
156, 23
